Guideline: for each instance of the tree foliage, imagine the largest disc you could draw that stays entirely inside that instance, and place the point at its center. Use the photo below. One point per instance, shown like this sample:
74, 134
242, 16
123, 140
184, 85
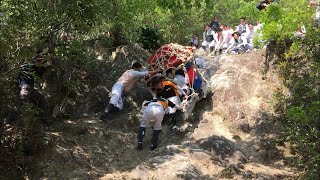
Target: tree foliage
300, 66
61, 29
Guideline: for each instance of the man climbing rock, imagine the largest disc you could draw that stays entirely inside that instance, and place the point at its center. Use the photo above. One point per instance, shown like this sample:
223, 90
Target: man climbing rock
124, 84
152, 114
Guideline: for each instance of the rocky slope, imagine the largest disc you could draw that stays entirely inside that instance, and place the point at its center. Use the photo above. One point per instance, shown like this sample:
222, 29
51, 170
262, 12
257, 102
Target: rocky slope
231, 135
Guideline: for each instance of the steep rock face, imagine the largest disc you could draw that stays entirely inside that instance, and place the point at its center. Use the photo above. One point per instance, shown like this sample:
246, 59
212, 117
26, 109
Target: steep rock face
234, 128
231, 135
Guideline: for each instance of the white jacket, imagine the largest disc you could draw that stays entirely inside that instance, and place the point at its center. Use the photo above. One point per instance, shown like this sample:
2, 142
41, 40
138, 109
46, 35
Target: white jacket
219, 41
243, 29
241, 41
130, 77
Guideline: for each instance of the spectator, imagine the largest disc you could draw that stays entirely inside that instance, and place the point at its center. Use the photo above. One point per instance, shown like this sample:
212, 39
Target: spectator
200, 62
215, 24
28, 92
194, 41
243, 27
300, 33
238, 44
227, 34
208, 38
258, 33
219, 39
258, 26
230, 29
317, 18
251, 33
263, 4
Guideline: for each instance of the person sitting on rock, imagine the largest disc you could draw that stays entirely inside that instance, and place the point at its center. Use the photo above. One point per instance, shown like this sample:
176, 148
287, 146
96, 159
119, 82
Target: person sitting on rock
215, 24
251, 33
152, 114
219, 39
243, 27
238, 44
168, 90
227, 35
124, 84
316, 3
258, 26
300, 32
194, 41
208, 38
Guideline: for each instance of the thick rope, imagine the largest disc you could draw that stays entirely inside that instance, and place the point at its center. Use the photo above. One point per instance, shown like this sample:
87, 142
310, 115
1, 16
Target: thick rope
169, 56
175, 56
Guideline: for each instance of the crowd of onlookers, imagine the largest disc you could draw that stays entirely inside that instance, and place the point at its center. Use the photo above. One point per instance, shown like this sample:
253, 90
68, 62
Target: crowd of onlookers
219, 38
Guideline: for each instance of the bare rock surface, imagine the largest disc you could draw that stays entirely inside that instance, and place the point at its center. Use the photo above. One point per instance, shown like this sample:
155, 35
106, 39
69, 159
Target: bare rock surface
232, 136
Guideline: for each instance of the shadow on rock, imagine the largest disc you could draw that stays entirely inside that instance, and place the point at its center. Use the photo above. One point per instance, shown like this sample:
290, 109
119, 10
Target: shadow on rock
192, 173
225, 150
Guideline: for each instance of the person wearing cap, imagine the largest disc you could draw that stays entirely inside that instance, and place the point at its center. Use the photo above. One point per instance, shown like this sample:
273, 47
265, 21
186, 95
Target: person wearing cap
152, 114
227, 35
124, 85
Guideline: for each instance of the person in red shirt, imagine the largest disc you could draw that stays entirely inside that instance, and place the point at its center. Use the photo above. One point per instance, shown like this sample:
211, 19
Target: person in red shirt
219, 38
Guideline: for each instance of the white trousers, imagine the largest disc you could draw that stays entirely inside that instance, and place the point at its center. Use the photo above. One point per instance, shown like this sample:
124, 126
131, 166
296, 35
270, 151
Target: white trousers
175, 100
207, 44
116, 95
153, 115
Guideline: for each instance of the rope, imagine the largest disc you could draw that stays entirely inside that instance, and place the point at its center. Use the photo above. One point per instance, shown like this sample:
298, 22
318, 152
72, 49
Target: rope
170, 56
175, 56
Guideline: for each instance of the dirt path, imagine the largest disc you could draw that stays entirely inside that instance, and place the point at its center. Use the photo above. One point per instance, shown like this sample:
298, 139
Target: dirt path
232, 135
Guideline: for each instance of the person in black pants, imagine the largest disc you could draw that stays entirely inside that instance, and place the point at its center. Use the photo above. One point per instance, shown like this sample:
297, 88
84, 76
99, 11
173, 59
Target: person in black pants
26, 92
215, 24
